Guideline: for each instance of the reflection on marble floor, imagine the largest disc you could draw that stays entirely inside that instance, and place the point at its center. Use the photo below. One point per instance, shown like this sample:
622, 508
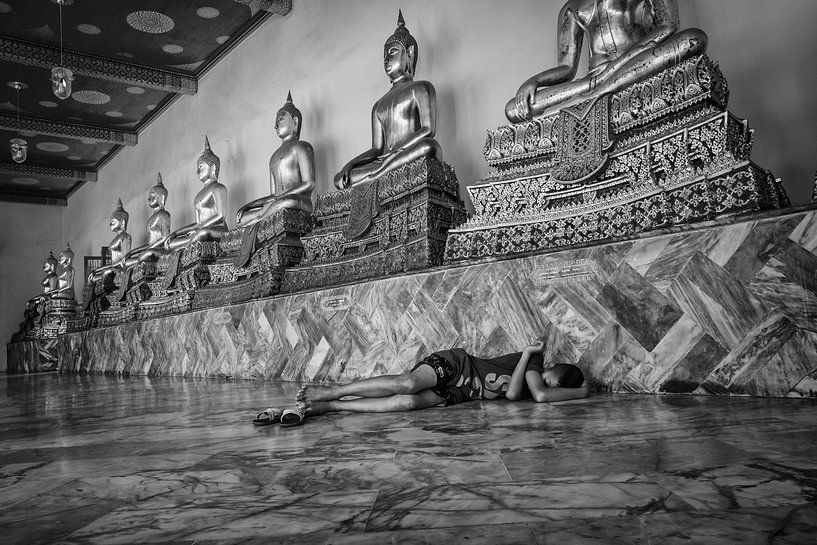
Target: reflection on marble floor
99, 459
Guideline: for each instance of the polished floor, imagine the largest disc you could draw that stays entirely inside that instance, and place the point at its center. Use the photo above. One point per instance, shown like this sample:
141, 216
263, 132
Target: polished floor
99, 459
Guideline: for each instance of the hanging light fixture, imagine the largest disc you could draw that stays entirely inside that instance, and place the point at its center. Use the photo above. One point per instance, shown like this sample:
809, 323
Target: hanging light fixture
19, 147
61, 77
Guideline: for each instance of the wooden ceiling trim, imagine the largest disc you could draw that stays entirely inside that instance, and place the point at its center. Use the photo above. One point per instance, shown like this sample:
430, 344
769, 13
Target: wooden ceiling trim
34, 54
23, 169
67, 129
279, 7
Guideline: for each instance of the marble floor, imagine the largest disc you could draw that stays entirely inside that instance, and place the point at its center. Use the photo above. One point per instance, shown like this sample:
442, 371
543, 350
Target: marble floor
100, 459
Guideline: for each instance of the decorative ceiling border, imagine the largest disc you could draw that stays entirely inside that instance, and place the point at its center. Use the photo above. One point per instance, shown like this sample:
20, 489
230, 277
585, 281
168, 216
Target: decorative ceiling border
78, 131
48, 172
33, 199
33, 54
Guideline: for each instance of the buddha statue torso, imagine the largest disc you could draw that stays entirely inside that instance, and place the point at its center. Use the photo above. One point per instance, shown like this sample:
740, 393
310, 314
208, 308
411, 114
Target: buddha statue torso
209, 205
120, 246
158, 226
287, 175
628, 40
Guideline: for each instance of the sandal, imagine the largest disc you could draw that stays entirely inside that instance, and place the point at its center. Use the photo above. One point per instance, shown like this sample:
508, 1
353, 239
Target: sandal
292, 417
267, 417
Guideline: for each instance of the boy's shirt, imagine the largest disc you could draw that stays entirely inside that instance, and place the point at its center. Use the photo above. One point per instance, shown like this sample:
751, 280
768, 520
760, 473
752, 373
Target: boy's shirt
481, 378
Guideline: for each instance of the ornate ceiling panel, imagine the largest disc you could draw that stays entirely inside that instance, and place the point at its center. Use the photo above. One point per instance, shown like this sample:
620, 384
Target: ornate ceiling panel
129, 59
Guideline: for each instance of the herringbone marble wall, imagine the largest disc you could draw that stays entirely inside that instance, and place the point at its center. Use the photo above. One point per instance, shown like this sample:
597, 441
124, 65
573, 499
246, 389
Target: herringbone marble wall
721, 309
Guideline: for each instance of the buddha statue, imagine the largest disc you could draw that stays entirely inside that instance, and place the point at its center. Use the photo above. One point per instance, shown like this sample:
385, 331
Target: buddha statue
120, 246
291, 171
628, 40
404, 120
158, 227
210, 204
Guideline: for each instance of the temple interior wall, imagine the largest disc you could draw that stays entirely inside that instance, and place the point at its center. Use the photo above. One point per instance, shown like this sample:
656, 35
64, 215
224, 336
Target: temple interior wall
27, 233
476, 52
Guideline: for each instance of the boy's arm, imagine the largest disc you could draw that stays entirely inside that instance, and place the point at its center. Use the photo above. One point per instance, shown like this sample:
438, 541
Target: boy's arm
542, 394
519, 377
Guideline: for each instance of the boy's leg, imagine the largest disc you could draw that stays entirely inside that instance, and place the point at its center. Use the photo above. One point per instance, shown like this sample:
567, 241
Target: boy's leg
421, 378
393, 403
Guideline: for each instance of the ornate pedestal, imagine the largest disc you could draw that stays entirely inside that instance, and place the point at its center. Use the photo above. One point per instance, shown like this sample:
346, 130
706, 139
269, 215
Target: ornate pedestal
254, 260
661, 152
394, 224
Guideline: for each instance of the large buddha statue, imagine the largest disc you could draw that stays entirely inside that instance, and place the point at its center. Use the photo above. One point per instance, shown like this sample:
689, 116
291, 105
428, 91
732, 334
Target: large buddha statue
65, 290
158, 227
629, 40
404, 120
120, 246
291, 171
210, 204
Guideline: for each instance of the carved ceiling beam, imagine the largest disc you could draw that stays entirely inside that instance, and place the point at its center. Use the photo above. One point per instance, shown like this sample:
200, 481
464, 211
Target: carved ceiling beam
23, 169
279, 7
67, 129
32, 54
33, 199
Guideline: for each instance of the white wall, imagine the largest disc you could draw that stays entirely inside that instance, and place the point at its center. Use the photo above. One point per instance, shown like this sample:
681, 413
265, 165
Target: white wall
476, 52
27, 233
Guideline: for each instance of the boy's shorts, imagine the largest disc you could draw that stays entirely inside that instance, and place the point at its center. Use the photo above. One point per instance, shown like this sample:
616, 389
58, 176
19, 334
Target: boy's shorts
447, 374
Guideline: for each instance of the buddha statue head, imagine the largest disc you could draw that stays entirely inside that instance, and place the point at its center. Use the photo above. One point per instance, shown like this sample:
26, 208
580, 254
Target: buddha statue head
50, 263
157, 195
66, 256
400, 52
119, 218
208, 164
288, 120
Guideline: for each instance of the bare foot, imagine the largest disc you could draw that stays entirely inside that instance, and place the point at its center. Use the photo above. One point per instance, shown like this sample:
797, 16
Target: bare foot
313, 408
316, 393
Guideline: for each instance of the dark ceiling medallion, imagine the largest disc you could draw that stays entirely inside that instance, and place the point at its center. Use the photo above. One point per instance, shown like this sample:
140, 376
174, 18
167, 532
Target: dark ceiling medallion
27, 53
68, 129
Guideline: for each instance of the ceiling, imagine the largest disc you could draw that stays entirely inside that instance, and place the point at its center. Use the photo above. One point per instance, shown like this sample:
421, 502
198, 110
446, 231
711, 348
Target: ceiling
130, 60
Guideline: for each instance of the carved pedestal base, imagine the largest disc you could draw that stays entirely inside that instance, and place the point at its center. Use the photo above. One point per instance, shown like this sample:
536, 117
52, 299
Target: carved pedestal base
662, 152
397, 225
255, 260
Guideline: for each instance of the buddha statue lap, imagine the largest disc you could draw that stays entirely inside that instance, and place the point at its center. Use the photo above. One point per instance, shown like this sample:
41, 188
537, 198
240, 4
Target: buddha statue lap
382, 220
628, 40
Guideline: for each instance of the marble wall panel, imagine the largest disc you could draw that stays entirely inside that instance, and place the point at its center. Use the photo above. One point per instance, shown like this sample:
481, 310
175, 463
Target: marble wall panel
728, 308
32, 356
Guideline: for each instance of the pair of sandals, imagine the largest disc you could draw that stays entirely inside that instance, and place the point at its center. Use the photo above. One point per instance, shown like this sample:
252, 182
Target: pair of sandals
286, 418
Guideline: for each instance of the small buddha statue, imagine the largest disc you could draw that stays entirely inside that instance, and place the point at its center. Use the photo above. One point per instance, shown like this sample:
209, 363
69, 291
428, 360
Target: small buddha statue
628, 41
210, 204
291, 171
404, 120
120, 246
158, 227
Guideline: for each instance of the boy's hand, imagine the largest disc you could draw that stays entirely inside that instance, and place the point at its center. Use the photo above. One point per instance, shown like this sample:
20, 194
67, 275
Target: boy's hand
535, 348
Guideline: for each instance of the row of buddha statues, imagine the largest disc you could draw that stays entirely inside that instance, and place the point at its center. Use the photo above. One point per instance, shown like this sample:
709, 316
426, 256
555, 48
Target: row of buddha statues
628, 147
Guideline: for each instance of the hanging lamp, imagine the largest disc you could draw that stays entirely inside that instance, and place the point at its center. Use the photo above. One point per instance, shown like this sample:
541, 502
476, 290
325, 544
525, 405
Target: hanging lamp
61, 77
19, 147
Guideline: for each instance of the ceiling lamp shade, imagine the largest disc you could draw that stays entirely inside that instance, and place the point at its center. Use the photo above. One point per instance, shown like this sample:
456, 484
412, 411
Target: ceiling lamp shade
19, 150
61, 79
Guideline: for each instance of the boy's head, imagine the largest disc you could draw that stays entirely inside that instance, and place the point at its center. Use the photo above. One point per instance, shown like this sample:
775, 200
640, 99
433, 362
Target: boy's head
563, 375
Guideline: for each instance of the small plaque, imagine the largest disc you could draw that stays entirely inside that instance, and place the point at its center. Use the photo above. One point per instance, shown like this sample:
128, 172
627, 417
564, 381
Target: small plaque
562, 272
334, 304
